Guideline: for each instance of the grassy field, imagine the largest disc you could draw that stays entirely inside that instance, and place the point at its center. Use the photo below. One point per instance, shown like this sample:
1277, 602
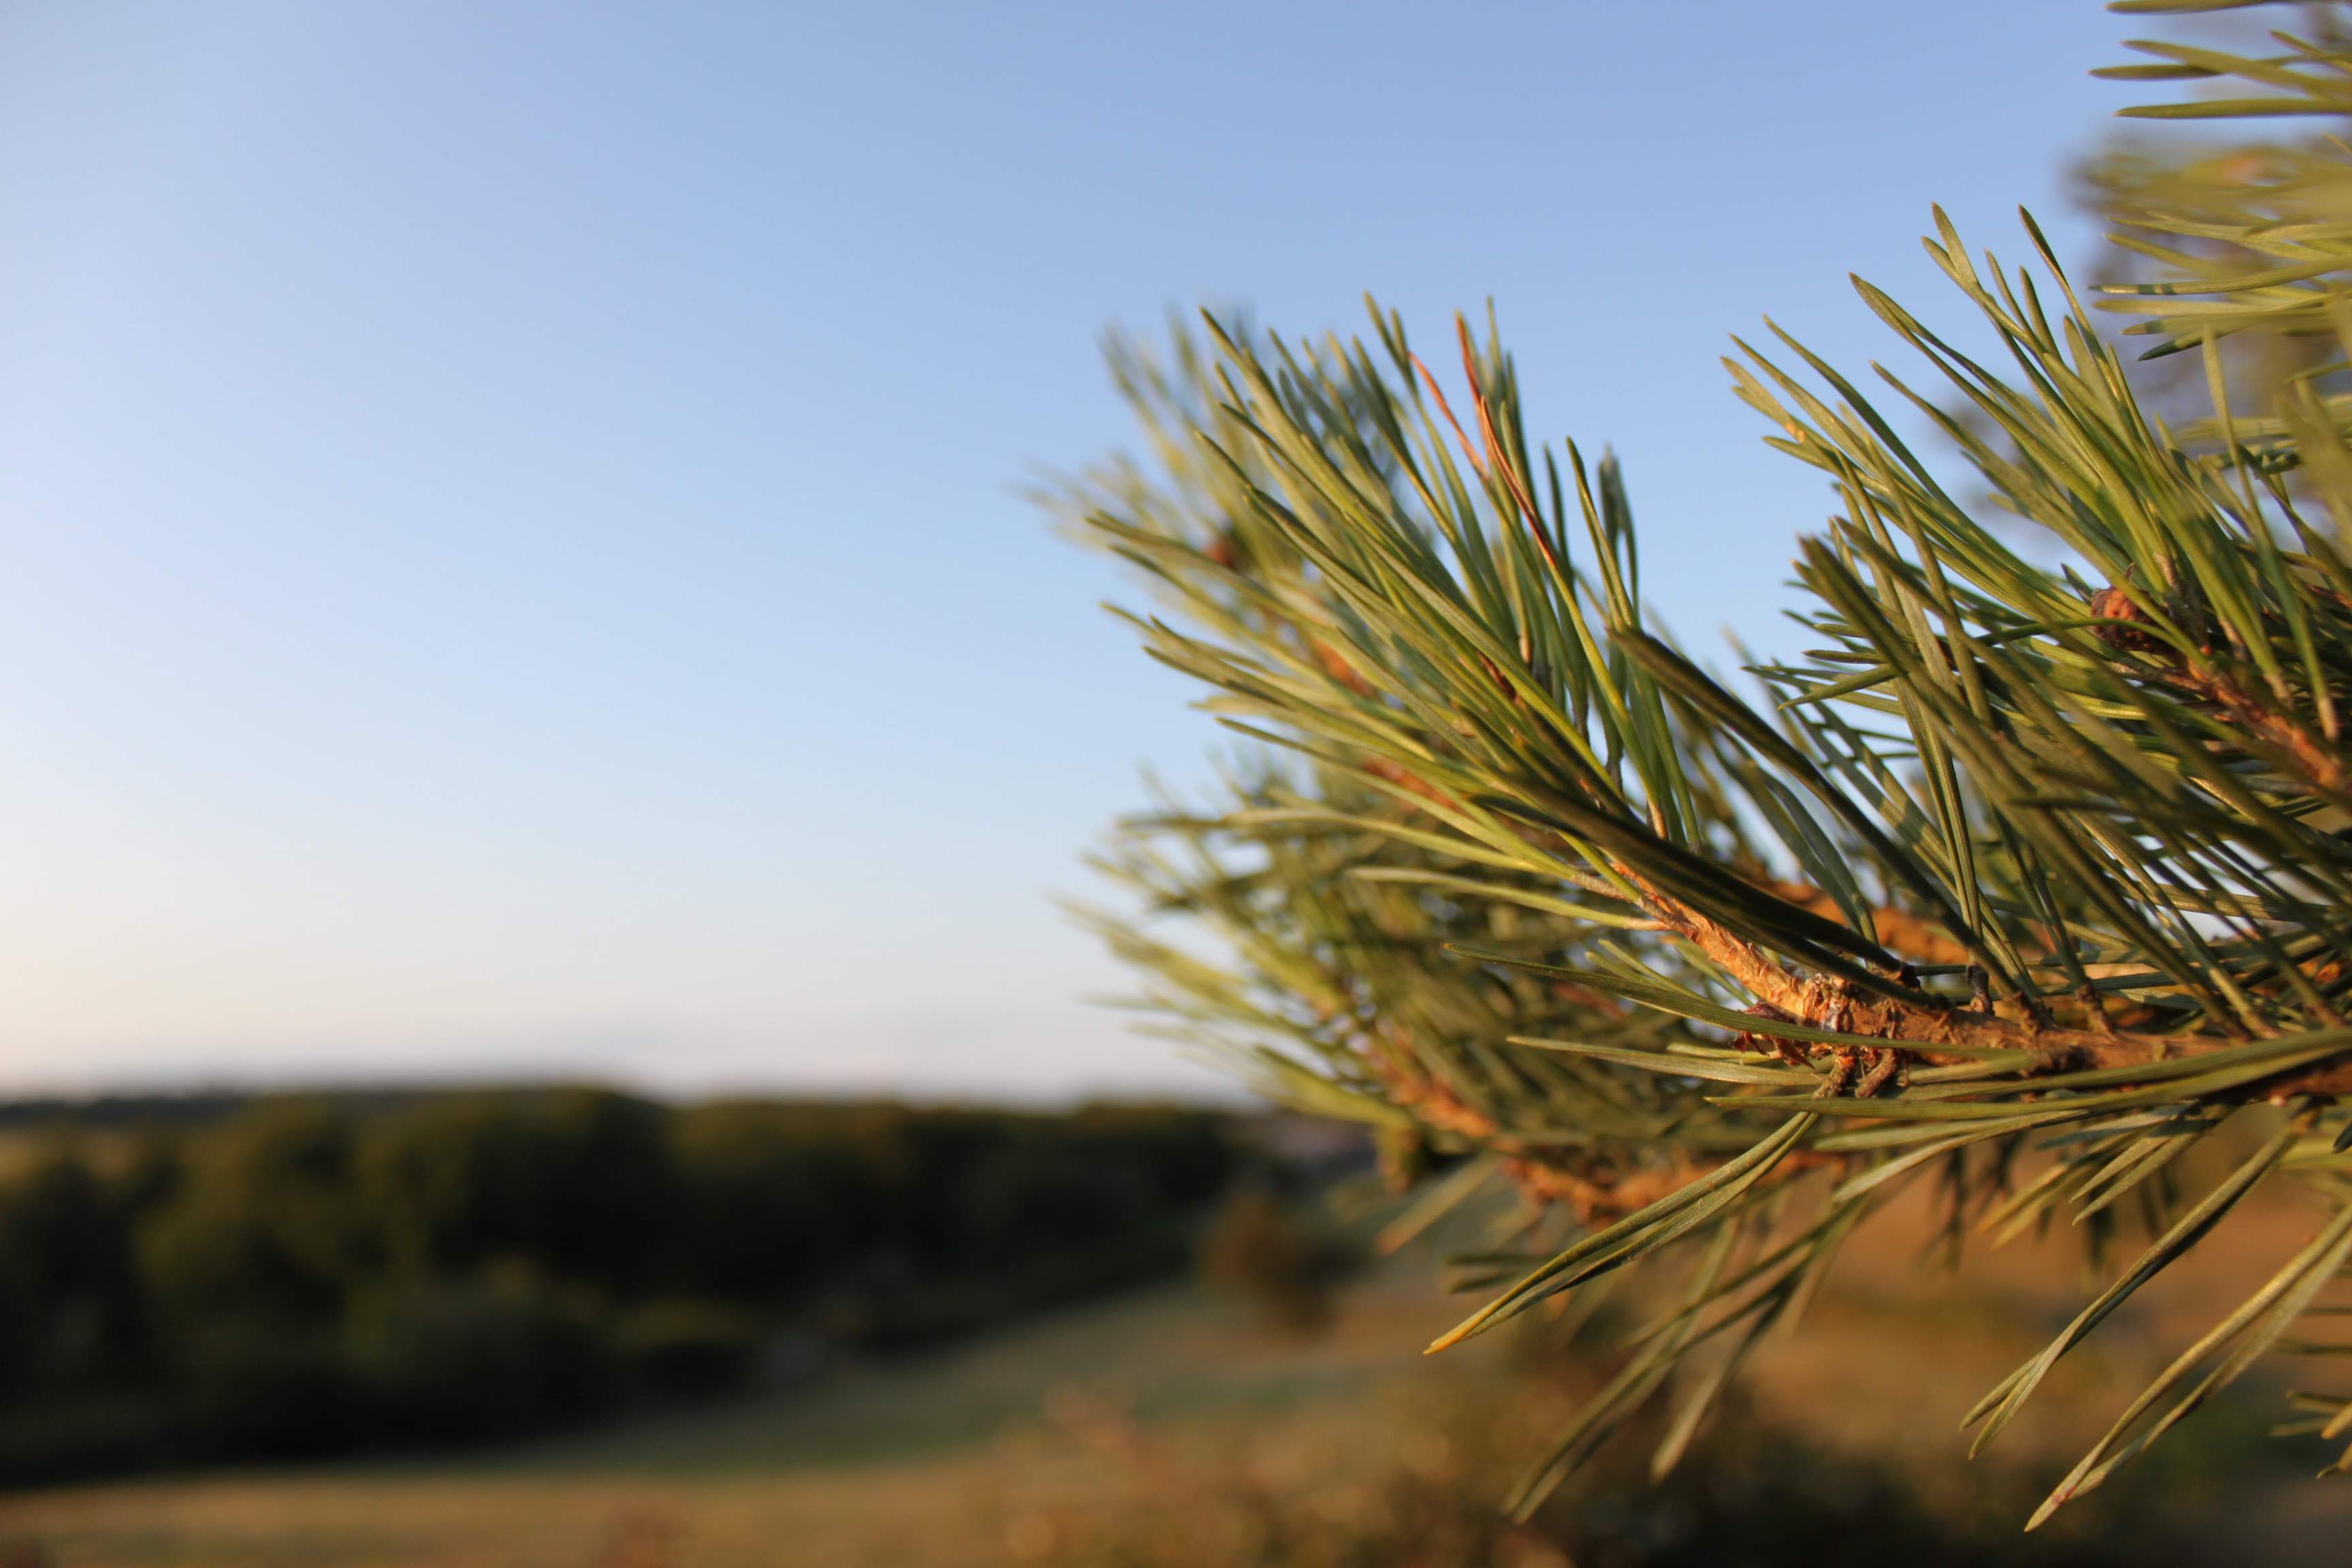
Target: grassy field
929, 1459
1065, 1441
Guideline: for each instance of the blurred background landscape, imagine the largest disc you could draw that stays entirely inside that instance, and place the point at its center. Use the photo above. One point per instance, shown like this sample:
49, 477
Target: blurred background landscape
568, 1327
544, 736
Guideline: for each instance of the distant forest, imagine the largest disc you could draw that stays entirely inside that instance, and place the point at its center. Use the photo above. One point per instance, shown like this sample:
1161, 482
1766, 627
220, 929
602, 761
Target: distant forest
204, 1281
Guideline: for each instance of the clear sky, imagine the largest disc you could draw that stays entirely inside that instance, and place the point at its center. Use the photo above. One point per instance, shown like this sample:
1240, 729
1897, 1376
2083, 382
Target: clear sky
513, 564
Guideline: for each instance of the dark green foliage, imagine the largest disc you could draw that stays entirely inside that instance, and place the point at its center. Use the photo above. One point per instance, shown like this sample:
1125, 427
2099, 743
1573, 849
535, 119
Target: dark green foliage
784, 1197
305, 1278
263, 1225
72, 1314
583, 1183
486, 1356
684, 1348
244, 1386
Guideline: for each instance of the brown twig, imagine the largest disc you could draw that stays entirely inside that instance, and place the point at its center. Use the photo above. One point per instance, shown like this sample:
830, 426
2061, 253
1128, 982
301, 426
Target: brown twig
1500, 463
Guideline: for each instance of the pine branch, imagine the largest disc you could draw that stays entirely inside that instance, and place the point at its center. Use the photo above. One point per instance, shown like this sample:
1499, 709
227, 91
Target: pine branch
2026, 879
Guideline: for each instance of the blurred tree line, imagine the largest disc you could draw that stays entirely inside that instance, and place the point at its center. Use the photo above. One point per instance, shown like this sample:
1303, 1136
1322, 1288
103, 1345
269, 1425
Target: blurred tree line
311, 1277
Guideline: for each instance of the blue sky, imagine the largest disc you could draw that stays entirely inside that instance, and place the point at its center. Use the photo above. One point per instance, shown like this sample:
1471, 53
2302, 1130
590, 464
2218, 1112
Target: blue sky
513, 559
